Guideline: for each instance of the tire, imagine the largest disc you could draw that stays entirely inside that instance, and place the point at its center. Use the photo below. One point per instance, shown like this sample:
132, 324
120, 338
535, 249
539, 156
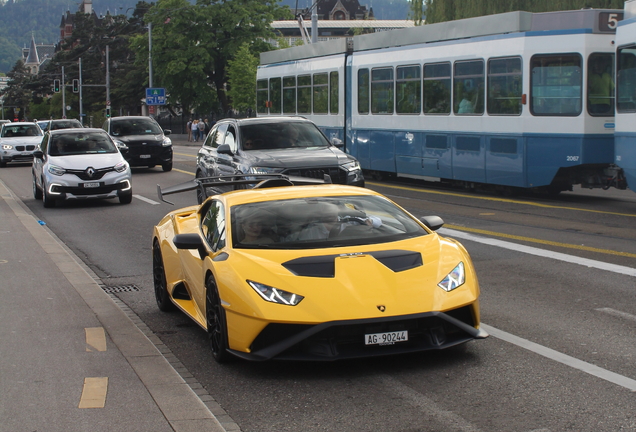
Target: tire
37, 193
2, 164
216, 322
126, 198
47, 200
167, 166
159, 277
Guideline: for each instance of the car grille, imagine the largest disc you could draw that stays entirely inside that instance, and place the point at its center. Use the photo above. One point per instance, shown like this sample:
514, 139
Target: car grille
338, 176
79, 191
97, 174
25, 148
345, 339
136, 148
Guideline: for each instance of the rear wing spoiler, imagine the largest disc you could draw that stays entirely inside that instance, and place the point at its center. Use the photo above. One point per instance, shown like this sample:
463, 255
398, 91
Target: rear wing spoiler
256, 181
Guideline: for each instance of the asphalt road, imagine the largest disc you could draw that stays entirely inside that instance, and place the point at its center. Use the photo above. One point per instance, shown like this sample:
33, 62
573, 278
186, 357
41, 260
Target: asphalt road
558, 280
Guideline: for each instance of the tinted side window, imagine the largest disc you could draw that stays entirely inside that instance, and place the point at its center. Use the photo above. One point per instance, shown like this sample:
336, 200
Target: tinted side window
261, 96
213, 226
600, 84
468, 87
504, 86
626, 91
437, 88
363, 91
382, 91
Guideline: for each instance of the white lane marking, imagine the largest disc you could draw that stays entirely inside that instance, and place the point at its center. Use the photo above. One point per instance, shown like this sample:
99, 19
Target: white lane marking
450, 420
148, 200
617, 313
565, 359
540, 252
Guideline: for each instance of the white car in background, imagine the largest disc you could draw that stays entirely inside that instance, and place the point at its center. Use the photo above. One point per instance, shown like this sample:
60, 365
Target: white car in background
80, 164
18, 140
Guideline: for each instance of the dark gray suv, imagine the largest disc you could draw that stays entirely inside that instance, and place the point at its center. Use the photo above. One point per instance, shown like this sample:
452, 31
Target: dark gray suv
287, 145
141, 141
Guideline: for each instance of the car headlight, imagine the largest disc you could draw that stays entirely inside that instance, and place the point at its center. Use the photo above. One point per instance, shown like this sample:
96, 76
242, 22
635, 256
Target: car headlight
454, 279
264, 170
351, 166
166, 142
121, 145
121, 167
7, 147
56, 170
275, 295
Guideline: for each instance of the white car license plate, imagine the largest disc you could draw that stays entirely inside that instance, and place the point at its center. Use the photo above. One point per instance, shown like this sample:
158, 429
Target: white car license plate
388, 338
26, 154
91, 185
144, 156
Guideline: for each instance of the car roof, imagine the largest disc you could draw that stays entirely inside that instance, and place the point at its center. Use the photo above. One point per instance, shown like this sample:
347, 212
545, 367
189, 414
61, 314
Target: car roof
76, 131
265, 120
21, 123
131, 118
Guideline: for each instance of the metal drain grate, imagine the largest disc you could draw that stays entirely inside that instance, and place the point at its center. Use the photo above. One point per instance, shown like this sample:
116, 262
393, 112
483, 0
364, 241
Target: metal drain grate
120, 288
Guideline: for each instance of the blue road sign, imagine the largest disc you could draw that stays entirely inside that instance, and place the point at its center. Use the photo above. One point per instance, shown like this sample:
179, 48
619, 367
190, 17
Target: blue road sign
155, 96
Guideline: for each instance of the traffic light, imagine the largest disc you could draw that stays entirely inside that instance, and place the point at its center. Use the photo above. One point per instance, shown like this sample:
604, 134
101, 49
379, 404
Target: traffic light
107, 111
75, 86
56, 86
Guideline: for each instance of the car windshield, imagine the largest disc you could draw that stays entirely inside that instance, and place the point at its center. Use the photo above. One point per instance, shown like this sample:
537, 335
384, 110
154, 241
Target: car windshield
9, 131
321, 222
141, 126
283, 135
80, 144
65, 124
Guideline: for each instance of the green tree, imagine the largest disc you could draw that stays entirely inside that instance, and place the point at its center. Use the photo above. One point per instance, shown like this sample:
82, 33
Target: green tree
192, 44
241, 74
16, 94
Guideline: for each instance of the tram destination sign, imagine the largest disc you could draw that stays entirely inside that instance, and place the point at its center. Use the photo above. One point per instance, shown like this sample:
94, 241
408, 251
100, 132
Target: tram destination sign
155, 96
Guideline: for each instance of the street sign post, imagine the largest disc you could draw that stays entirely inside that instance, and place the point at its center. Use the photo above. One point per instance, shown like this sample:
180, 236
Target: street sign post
155, 96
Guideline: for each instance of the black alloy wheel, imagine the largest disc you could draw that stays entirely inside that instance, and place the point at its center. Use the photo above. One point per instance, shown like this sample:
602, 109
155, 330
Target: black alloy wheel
47, 200
167, 166
126, 197
216, 322
159, 277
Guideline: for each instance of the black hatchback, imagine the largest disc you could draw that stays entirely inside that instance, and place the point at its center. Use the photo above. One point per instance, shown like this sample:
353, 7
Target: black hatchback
141, 140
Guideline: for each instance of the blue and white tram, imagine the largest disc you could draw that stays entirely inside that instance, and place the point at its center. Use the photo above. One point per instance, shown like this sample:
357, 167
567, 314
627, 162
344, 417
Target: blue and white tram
509, 100
625, 135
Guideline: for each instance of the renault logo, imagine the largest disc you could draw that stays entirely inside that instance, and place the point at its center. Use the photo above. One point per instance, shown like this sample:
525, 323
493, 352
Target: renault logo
90, 171
381, 308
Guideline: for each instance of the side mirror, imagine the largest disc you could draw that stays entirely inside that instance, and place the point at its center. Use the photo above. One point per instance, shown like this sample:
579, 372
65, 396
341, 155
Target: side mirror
432, 222
38, 154
224, 149
167, 132
190, 241
337, 142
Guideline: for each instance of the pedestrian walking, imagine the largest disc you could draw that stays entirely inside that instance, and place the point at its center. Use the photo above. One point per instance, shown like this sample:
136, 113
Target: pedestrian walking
195, 130
189, 129
201, 126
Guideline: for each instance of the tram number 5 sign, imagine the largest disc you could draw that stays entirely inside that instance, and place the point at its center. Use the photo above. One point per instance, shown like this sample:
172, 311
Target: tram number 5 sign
155, 96
608, 21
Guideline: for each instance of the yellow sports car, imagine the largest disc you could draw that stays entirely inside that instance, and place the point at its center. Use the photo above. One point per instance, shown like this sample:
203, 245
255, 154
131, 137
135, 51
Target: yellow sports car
312, 272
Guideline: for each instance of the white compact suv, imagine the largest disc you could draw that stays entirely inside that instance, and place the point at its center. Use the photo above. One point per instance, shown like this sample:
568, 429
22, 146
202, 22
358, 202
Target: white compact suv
18, 140
77, 164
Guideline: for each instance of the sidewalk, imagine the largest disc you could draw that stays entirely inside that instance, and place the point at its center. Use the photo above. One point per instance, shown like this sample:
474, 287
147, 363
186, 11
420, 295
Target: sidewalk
71, 358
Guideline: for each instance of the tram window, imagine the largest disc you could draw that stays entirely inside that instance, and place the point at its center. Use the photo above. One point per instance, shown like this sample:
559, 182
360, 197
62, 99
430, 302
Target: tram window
408, 90
363, 91
600, 84
468, 87
382, 91
626, 88
333, 92
555, 83
275, 95
321, 93
289, 95
437, 88
504, 86
304, 94
261, 96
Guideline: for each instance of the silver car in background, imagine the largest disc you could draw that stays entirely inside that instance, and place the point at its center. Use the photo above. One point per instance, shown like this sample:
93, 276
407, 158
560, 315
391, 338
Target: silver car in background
18, 140
78, 164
